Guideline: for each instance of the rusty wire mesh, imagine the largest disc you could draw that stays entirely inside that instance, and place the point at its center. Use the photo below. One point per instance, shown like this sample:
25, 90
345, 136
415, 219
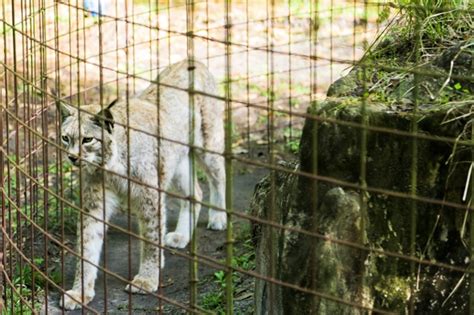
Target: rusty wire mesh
272, 60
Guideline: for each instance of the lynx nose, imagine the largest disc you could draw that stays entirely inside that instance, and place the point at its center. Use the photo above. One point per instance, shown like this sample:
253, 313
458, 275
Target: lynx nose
72, 158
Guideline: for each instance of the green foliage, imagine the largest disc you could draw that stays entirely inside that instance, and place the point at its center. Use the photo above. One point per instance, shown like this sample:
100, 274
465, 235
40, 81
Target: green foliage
45, 210
26, 281
434, 21
244, 258
293, 136
395, 290
214, 301
421, 29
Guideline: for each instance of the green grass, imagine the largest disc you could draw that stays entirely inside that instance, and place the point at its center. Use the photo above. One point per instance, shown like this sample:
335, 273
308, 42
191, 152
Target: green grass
437, 20
430, 25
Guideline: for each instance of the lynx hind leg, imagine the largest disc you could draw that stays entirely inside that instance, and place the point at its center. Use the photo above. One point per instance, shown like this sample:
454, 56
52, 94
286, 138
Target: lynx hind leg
215, 169
152, 222
186, 220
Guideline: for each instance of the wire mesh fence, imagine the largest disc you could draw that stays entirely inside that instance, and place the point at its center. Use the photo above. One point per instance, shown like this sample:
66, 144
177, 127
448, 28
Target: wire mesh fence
122, 119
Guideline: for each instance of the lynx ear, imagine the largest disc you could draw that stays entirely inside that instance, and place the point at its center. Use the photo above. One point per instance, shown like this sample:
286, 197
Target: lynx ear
104, 118
64, 109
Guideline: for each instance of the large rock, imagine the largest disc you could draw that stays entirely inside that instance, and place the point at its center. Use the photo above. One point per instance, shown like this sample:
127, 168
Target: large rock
379, 220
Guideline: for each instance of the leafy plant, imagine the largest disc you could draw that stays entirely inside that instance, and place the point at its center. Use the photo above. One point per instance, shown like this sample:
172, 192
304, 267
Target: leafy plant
25, 280
244, 259
293, 139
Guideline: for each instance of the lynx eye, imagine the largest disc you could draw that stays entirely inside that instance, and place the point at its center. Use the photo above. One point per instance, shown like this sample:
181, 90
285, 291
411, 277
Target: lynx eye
87, 140
65, 138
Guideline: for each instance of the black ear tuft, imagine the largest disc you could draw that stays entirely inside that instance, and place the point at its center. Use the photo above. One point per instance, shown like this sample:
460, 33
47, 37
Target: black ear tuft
112, 104
104, 118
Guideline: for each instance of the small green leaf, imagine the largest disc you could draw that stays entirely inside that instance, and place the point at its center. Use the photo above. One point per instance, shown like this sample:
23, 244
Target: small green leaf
458, 86
38, 260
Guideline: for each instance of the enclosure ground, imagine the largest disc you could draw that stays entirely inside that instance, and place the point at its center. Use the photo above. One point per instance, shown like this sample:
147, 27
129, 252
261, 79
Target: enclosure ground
175, 275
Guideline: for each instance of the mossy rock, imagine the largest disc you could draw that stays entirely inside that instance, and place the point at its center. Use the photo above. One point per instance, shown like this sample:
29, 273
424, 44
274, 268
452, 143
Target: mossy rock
440, 172
390, 103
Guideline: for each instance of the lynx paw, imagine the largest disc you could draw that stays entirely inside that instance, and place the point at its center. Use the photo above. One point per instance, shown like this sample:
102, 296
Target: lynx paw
72, 299
217, 221
176, 240
142, 285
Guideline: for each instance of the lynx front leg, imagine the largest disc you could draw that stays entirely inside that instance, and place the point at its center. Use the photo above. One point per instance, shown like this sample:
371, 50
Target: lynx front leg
186, 221
90, 238
152, 228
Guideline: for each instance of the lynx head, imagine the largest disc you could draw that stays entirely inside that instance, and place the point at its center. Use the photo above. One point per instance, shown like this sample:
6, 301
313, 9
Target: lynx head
87, 134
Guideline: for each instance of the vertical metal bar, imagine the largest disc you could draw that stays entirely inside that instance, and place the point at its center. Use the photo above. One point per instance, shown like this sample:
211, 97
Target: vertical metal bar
168, 11
313, 35
44, 127
208, 35
158, 139
363, 159
2, 189
3, 126
17, 174
24, 99
150, 38
117, 87
29, 167
247, 86
59, 152
7, 260
413, 207
81, 183
102, 105
36, 141
272, 215
354, 30
193, 265
132, 21
414, 165
29, 140
331, 41
290, 74
19, 177
228, 160
129, 192
471, 234
117, 48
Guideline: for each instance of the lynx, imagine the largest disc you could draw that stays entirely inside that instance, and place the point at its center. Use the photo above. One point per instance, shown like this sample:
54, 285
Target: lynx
153, 152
